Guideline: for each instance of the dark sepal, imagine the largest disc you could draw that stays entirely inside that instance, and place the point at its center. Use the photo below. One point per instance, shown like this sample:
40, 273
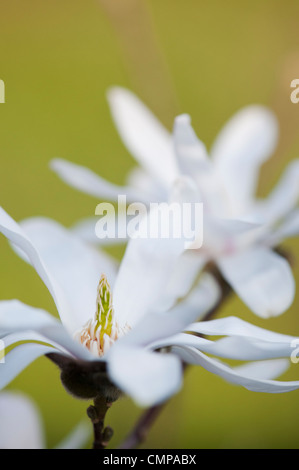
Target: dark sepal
85, 379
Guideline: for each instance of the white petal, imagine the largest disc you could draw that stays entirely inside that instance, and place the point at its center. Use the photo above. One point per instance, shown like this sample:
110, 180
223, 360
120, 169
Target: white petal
190, 151
238, 348
186, 270
247, 349
149, 378
18, 238
242, 348
55, 336
203, 296
227, 236
264, 369
76, 267
20, 322
19, 358
283, 198
151, 188
159, 325
193, 161
244, 341
184, 340
288, 229
245, 142
30, 336
143, 276
262, 279
85, 229
14, 315
253, 383
20, 422
59, 337
77, 438
144, 136
146, 268
234, 326
87, 181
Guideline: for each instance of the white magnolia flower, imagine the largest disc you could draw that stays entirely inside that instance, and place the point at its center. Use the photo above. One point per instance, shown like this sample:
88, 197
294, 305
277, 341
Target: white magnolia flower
142, 308
21, 425
239, 230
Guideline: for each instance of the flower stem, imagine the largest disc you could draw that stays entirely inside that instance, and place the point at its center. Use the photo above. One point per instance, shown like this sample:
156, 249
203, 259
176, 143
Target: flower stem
97, 413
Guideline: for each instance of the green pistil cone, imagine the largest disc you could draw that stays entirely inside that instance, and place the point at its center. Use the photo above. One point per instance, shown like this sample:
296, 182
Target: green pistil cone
104, 314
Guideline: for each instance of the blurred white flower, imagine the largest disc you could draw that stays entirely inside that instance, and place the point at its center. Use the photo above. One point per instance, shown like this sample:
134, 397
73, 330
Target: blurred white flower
21, 425
143, 303
239, 230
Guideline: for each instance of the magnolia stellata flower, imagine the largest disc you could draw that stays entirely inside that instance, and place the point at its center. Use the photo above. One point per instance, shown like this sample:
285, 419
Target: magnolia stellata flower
134, 335
239, 229
21, 425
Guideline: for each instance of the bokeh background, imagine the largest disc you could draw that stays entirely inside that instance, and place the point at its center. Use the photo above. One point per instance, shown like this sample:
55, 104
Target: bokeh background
57, 58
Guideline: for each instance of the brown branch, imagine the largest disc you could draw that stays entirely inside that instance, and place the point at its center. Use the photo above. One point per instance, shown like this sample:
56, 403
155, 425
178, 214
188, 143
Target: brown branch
97, 413
142, 427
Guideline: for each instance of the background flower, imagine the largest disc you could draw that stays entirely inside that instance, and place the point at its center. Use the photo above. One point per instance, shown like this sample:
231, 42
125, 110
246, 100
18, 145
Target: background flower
238, 229
219, 57
21, 425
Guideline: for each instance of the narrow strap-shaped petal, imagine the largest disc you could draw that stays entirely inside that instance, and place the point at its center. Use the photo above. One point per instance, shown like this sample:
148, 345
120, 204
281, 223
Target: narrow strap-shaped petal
248, 349
19, 322
193, 161
265, 370
262, 278
234, 326
239, 348
55, 336
18, 237
85, 180
144, 136
252, 382
283, 198
26, 335
244, 143
19, 358
191, 153
14, 316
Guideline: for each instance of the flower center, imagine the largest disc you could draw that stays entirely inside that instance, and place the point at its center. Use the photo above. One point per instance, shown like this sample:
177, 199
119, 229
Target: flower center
99, 333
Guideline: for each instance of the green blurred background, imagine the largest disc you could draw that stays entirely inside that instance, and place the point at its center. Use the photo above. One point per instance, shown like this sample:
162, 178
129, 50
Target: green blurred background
57, 59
